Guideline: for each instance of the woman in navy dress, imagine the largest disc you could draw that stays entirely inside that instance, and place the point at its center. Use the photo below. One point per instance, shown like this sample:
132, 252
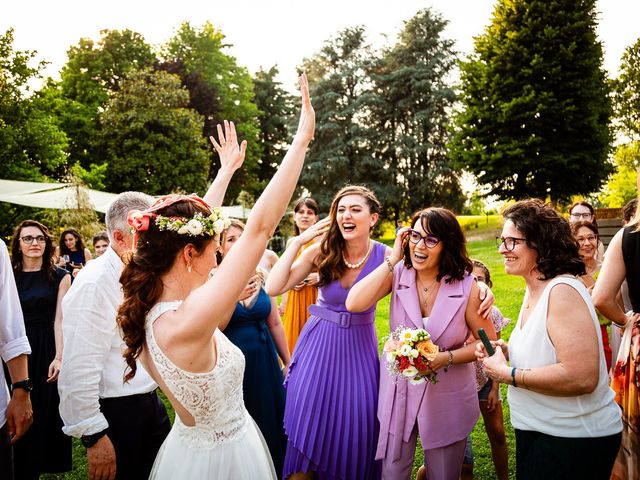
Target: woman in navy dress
256, 329
41, 286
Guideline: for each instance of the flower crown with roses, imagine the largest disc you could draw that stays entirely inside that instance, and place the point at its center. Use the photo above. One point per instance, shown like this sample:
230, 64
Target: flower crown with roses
212, 225
199, 224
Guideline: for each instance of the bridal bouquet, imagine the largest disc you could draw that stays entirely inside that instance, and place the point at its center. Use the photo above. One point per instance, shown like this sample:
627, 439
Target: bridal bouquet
408, 353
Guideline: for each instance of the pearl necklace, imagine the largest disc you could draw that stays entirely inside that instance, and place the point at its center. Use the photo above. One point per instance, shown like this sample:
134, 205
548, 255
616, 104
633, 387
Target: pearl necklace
359, 264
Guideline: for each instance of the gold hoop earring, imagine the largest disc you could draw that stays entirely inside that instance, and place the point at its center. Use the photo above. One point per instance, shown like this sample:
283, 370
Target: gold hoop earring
189, 267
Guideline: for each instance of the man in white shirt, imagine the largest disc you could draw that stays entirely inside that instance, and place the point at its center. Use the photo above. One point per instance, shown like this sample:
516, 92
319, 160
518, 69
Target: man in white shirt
121, 424
16, 413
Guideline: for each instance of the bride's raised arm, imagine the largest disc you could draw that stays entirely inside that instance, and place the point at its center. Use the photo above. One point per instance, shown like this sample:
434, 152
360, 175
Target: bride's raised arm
220, 293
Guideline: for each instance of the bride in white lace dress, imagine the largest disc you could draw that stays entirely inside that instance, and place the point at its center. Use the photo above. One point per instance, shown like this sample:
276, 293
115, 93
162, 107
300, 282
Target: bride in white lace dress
171, 311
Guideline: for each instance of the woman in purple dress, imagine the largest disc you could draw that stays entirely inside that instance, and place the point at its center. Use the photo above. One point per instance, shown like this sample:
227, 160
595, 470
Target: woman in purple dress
332, 385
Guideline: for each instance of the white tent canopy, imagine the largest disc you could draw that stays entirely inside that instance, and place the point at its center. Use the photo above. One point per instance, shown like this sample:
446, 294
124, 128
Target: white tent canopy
66, 196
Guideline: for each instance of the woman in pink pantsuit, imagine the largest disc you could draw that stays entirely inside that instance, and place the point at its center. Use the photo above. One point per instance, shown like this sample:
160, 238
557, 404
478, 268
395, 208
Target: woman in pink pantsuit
432, 289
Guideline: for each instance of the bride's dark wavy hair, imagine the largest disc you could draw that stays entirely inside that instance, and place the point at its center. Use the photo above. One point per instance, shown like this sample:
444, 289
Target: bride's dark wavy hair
141, 278
330, 263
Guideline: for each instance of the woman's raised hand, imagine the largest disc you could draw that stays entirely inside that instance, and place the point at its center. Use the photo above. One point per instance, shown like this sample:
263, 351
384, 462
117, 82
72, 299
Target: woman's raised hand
400, 242
307, 123
319, 228
231, 154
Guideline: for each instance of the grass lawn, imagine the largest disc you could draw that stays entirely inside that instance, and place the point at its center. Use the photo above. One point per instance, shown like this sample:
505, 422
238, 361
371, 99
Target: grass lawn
508, 292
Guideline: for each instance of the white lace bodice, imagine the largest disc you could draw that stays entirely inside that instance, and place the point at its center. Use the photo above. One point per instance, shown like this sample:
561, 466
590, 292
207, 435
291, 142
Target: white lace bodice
213, 398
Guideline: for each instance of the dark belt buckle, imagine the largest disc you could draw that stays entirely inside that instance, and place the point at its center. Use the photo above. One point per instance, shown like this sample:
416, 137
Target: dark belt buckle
344, 319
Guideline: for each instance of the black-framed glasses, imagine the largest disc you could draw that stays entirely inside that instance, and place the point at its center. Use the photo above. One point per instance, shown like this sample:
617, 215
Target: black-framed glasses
429, 240
578, 216
509, 242
28, 239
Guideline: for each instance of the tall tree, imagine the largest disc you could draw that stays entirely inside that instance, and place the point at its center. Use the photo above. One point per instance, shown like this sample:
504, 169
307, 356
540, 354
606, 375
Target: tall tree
535, 105
626, 89
342, 151
150, 138
275, 106
411, 101
32, 147
92, 72
202, 51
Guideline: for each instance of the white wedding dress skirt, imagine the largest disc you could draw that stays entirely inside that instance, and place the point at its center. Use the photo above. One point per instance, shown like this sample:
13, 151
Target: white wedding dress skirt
245, 457
225, 443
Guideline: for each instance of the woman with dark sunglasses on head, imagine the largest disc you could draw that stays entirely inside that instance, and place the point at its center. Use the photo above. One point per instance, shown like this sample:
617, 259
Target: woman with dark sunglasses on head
429, 276
566, 422
41, 286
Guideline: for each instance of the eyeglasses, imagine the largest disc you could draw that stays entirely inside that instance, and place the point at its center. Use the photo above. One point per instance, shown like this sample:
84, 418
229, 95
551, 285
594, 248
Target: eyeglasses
28, 239
509, 242
586, 216
588, 238
429, 240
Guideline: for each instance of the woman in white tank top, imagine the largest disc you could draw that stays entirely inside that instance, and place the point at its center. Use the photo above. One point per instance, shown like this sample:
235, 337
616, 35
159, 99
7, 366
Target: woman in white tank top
566, 421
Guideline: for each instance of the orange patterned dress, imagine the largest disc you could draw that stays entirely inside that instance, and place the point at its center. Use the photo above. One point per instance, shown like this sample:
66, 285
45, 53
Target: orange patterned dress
297, 309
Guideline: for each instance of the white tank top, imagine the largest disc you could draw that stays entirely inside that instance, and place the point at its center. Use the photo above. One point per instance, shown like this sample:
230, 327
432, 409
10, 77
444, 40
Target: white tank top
591, 415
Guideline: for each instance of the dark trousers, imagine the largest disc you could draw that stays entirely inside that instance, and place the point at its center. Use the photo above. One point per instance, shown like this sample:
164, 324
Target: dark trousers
542, 456
6, 454
138, 424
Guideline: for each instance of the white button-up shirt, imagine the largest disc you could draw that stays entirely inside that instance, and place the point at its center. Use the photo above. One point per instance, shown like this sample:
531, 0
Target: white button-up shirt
92, 363
13, 338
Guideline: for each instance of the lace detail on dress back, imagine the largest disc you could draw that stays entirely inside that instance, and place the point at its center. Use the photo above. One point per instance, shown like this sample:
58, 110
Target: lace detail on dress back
213, 398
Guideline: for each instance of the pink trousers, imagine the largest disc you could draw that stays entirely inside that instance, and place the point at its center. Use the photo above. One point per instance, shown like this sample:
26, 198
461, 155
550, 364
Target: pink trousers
442, 463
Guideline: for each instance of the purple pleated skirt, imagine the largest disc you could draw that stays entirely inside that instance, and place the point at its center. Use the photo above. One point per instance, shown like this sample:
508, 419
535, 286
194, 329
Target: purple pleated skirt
332, 395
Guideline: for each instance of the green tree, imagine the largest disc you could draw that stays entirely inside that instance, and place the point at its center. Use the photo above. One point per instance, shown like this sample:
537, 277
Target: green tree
149, 137
535, 106
411, 101
276, 111
202, 52
342, 151
621, 186
32, 147
626, 89
93, 72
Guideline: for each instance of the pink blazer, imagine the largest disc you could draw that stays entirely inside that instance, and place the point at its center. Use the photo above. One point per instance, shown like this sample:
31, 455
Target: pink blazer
447, 411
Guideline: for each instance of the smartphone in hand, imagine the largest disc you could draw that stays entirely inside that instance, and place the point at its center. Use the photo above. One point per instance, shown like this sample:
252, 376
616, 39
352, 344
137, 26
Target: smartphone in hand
485, 340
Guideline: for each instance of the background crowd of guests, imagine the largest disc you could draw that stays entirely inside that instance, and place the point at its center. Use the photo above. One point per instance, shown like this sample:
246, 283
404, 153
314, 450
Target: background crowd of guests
315, 395
332, 274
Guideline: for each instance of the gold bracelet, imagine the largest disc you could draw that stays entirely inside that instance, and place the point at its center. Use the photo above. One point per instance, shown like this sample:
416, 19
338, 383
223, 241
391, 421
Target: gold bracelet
524, 385
389, 265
